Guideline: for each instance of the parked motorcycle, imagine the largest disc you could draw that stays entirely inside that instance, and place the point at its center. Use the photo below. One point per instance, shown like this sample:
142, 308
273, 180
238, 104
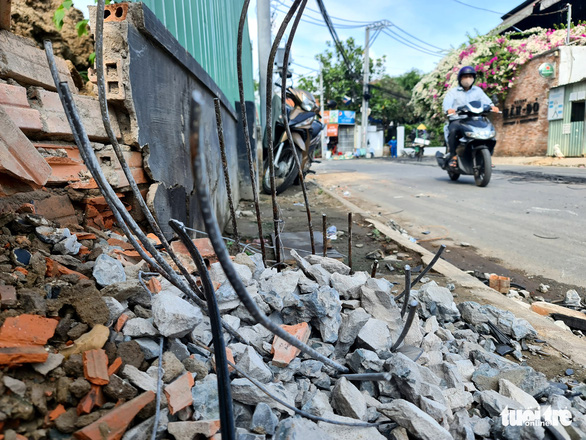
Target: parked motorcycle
303, 113
476, 146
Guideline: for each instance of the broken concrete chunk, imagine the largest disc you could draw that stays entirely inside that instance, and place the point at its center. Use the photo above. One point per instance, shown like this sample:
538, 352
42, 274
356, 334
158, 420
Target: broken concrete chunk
348, 400
414, 420
375, 335
264, 421
173, 316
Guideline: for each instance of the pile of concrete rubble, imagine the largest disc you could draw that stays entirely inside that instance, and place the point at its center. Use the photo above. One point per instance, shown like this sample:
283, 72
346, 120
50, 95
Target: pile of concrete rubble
84, 325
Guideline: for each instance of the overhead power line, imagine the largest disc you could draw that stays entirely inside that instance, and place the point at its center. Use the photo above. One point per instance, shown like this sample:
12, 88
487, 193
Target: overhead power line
480, 9
412, 45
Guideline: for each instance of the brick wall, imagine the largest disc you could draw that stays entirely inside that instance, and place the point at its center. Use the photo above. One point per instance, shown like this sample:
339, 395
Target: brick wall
522, 128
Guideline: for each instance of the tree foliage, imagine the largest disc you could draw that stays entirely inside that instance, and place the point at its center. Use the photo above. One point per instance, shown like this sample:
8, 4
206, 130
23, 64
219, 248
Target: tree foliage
389, 95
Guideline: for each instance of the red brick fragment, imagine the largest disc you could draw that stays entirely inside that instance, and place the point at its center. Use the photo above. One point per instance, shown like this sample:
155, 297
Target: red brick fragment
53, 415
92, 399
123, 244
95, 366
26, 354
121, 321
154, 285
22, 270
114, 366
283, 352
113, 425
179, 393
55, 269
27, 330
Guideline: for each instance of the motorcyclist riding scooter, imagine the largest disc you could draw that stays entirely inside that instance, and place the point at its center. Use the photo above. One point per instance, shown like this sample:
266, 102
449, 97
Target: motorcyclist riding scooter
467, 106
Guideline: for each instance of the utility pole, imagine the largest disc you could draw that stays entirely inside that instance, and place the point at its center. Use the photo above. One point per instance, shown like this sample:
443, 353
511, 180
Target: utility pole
321, 108
365, 69
569, 23
263, 13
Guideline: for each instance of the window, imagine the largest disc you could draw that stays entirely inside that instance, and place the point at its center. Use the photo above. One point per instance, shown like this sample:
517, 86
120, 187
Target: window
578, 111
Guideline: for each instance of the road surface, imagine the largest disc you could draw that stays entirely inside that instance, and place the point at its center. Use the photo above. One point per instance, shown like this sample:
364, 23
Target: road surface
536, 226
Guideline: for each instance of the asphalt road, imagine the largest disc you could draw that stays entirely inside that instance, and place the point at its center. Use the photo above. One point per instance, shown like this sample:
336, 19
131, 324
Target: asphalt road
531, 224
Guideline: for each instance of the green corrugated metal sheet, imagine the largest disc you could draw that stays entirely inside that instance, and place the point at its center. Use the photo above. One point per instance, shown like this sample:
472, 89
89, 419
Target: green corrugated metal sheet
208, 29
571, 144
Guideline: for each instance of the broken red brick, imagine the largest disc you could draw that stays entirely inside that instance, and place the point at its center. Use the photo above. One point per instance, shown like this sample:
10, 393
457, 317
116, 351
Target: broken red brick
121, 321
229, 356
123, 244
283, 352
92, 399
115, 12
114, 424
95, 366
26, 208
55, 269
26, 354
8, 296
203, 245
154, 239
53, 415
58, 209
114, 366
501, 284
179, 393
154, 285
27, 330
22, 270
85, 236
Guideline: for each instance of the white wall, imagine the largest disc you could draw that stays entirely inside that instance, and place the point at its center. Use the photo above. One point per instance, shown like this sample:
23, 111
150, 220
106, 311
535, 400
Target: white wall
572, 66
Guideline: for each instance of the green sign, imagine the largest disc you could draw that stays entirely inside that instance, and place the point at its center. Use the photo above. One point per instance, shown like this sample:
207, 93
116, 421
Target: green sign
546, 70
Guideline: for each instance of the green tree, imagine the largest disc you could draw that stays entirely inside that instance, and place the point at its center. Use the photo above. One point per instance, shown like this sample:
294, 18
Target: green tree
389, 95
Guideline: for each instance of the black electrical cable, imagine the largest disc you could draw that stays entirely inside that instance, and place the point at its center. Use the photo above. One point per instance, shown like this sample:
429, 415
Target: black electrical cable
212, 228
224, 392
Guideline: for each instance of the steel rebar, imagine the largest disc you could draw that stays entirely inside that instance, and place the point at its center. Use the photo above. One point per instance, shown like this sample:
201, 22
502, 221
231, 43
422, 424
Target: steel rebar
410, 316
159, 386
374, 269
212, 228
101, 82
309, 416
368, 376
325, 234
251, 167
424, 271
288, 128
121, 215
269, 128
350, 242
407, 289
224, 392
220, 130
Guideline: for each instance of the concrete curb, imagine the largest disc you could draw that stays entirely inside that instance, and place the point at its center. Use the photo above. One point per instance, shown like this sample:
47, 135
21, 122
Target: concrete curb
563, 341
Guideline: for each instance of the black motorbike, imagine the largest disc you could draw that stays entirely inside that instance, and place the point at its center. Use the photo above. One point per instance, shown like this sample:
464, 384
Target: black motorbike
475, 148
303, 115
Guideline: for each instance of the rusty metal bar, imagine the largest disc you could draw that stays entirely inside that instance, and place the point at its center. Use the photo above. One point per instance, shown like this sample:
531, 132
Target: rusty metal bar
424, 271
220, 129
412, 310
369, 376
324, 219
374, 269
116, 146
269, 128
203, 197
407, 289
251, 167
350, 242
224, 393
286, 121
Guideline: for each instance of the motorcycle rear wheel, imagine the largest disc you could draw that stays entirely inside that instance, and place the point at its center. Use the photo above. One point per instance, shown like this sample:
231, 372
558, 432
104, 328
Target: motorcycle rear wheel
285, 171
483, 171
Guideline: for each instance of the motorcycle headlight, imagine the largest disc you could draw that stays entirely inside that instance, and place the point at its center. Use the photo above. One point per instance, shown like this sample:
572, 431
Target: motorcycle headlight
481, 134
306, 104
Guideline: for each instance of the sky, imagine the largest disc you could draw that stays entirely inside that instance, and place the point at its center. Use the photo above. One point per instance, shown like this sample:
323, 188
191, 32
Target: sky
432, 24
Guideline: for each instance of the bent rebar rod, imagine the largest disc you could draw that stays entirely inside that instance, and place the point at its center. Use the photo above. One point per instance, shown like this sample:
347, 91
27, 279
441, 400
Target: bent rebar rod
212, 228
220, 130
118, 210
407, 289
159, 386
412, 310
424, 271
224, 392
269, 129
116, 146
245, 129
307, 415
286, 122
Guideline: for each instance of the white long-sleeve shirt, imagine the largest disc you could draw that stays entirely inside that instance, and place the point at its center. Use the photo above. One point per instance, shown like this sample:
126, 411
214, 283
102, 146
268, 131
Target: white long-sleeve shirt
458, 97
